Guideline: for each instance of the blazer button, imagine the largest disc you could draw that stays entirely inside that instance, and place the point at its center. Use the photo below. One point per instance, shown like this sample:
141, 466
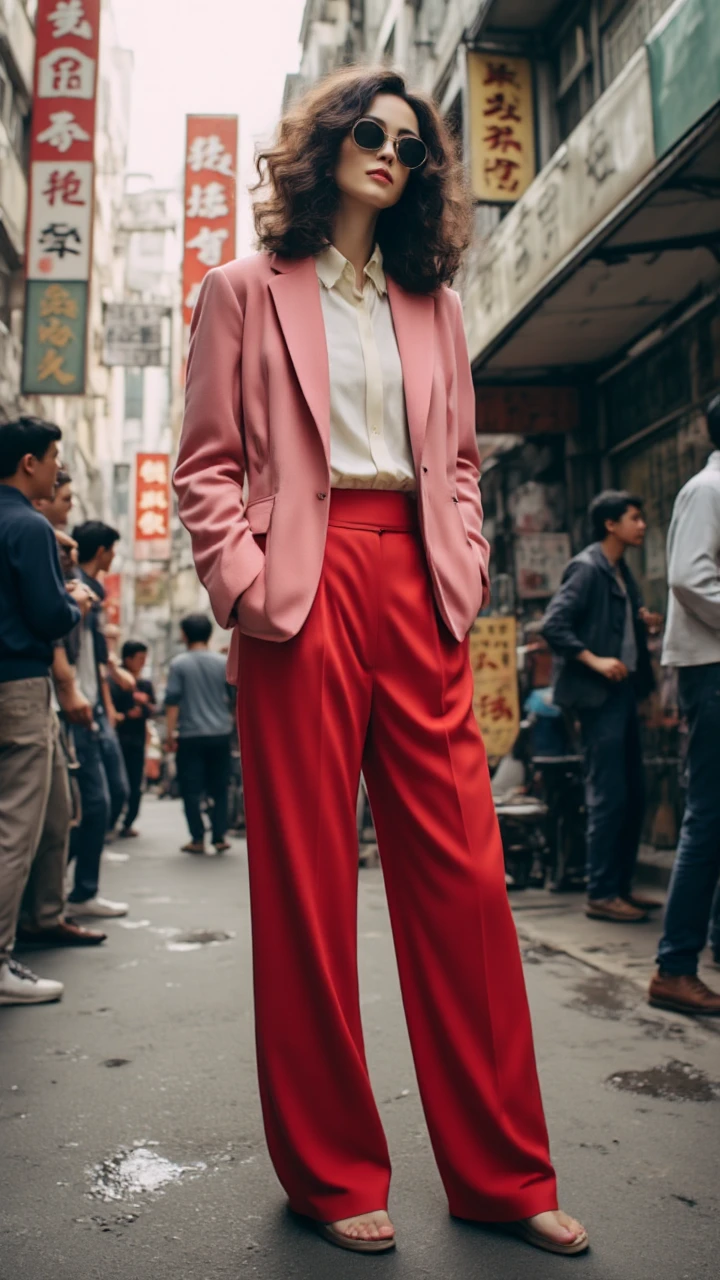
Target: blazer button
425, 470
456, 499
321, 496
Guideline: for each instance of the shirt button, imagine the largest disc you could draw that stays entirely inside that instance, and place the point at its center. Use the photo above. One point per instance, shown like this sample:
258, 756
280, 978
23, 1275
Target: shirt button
320, 496
425, 470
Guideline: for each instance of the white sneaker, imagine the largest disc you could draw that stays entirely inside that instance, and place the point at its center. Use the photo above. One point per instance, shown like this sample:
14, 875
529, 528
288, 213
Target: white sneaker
101, 908
19, 985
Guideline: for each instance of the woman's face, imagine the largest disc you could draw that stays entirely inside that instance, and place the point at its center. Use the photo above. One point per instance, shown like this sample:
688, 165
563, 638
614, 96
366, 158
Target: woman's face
377, 178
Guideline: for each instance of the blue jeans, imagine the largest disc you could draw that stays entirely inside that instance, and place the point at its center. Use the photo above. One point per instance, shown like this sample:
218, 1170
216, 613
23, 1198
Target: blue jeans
697, 862
114, 765
87, 840
614, 792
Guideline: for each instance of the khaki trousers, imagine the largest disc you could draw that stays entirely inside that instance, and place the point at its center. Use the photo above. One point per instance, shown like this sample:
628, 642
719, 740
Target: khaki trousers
34, 808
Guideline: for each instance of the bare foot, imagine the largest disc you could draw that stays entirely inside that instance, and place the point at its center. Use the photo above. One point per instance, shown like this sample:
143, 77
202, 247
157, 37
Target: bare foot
366, 1226
557, 1226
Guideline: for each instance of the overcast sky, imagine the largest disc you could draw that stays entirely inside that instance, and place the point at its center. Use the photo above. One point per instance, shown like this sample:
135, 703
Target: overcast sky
206, 56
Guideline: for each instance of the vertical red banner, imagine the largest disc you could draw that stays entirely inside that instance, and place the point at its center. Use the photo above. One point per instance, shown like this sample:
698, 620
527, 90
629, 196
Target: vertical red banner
61, 197
113, 592
152, 506
210, 202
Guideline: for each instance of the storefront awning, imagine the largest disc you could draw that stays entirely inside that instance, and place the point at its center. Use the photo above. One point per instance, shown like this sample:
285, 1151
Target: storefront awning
656, 259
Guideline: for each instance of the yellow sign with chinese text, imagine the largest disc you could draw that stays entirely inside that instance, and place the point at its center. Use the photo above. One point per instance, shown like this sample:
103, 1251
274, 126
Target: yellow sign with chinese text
496, 702
502, 127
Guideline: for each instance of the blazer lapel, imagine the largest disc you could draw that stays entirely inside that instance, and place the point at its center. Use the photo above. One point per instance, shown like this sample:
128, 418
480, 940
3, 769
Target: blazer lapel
414, 321
296, 294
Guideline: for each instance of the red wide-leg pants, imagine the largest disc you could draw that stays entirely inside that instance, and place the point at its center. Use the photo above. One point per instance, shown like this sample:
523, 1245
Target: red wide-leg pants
375, 681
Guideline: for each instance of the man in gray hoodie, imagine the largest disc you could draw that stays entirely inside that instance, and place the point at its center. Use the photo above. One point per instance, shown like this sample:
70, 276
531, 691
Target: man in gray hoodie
692, 644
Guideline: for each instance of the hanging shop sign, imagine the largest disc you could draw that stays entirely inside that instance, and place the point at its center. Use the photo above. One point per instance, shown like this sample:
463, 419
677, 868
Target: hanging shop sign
210, 194
152, 506
151, 589
113, 594
137, 335
496, 702
61, 195
540, 562
525, 411
502, 127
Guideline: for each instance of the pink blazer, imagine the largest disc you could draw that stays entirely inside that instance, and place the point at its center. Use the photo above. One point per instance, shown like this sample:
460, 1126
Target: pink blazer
258, 409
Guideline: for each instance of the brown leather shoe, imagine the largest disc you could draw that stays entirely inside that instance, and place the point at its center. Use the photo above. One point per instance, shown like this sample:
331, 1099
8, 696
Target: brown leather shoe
615, 909
641, 902
67, 933
683, 993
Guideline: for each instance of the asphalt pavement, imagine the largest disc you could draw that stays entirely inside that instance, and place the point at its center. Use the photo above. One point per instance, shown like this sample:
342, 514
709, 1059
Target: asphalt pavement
131, 1144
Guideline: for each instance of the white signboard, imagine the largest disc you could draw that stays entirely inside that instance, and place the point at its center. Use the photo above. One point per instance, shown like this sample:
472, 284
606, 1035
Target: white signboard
540, 561
60, 220
136, 335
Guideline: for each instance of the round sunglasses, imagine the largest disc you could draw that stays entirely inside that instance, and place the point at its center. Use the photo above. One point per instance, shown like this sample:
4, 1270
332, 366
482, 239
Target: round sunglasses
411, 151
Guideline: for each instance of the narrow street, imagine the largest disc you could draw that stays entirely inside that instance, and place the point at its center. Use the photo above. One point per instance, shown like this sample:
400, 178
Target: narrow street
131, 1142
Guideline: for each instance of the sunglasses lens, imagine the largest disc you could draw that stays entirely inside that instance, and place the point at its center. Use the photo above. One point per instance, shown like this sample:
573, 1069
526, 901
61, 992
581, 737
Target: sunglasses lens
411, 152
368, 135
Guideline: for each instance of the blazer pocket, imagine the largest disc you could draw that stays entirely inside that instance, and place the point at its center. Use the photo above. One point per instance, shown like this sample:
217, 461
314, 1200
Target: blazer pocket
258, 514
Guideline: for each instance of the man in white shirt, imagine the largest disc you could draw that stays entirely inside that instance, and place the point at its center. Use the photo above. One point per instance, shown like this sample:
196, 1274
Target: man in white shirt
692, 643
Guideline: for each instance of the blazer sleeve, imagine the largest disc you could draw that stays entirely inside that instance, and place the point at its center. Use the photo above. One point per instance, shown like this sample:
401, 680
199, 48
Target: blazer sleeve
467, 467
210, 468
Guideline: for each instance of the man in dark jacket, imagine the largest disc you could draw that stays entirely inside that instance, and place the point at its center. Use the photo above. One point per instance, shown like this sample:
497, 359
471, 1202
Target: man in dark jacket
36, 609
596, 627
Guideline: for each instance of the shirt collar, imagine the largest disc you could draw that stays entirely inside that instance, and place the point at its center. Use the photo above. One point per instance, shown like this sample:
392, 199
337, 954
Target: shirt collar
330, 265
9, 492
714, 460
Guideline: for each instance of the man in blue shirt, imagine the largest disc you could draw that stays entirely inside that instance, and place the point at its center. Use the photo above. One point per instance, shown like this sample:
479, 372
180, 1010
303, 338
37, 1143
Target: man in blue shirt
199, 726
36, 610
102, 778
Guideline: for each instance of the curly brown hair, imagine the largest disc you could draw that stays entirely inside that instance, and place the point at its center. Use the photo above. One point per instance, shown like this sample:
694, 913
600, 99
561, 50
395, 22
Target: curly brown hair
422, 237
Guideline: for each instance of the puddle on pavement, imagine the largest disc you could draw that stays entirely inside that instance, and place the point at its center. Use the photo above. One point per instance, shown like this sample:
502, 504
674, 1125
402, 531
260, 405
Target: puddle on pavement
193, 939
675, 1082
135, 1172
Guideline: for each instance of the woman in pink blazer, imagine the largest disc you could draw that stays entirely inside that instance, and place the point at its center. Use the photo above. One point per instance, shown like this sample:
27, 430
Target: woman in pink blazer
328, 475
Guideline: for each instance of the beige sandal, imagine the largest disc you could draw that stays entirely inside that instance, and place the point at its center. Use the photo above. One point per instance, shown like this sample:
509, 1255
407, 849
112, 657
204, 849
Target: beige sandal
331, 1233
524, 1231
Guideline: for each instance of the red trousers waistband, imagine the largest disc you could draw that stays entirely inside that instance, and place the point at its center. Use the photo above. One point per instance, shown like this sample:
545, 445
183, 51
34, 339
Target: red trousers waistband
374, 509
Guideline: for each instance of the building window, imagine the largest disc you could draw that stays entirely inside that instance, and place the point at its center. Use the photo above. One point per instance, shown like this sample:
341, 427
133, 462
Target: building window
134, 388
626, 31
574, 72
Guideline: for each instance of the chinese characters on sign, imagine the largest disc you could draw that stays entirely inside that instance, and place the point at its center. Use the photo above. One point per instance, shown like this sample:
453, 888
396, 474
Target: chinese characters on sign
54, 347
137, 334
540, 562
113, 594
152, 506
496, 702
59, 238
210, 184
604, 158
502, 126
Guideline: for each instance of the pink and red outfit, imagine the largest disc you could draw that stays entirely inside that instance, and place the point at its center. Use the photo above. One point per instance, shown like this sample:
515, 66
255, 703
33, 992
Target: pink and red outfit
360, 566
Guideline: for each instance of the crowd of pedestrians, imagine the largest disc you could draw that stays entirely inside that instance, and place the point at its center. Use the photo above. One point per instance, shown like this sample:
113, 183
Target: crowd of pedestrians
74, 717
